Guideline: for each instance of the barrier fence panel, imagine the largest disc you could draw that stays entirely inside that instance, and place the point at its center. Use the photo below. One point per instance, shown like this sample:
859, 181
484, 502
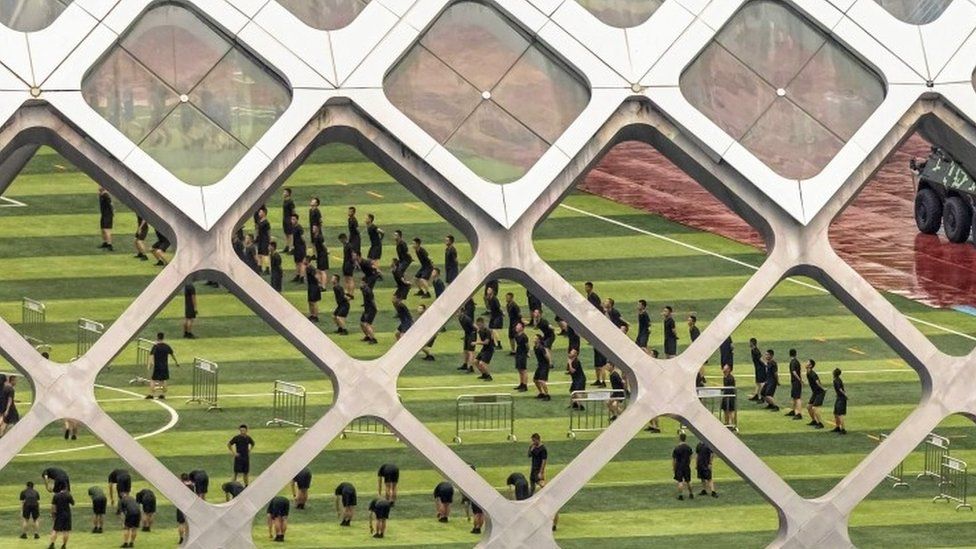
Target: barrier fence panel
936, 447
143, 360
954, 484
717, 400
896, 475
32, 311
593, 410
485, 413
369, 425
88, 332
289, 406
38, 345
205, 383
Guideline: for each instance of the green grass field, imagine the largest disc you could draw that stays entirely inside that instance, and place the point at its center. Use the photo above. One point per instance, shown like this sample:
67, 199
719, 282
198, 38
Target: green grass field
48, 252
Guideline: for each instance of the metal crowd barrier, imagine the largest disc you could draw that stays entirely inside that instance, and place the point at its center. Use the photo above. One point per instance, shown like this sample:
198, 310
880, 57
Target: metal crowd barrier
936, 447
896, 475
713, 397
954, 484
289, 406
205, 383
485, 413
32, 311
38, 345
143, 360
88, 333
593, 413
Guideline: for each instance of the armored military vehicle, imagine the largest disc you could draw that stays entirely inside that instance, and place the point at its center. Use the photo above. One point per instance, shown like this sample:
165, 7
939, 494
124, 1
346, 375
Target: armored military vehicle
945, 196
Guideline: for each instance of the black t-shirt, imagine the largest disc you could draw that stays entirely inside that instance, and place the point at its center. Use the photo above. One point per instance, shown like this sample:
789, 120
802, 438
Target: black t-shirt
30, 497
450, 258
694, 332
494, 308
369, 299
682, 455
423, 257
403, 252
514, 313
199, 477
304, 476
146, 497
161, 352
796, 371
670, 333
467, 325
233, 488
403, 313
119, 476
616, 319
540, 356
55, 474
105, 205
379, 506
297, 238
703, 456
484, 335
643, 324
242, 444
129, 506
572, 338
617, 381
578, 375
374, 235
757, 359
62, 502
544, 327
314, 217
444, 489
264, 231
594, 300
728, 380
538, 455
287, 208
387, 470
521, 345
189, 290
839, 387
814, 381
772, 372
345, 489
340, 295
522, 489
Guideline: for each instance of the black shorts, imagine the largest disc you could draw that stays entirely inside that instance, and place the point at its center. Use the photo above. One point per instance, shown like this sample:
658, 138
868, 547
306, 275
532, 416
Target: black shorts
840, 407
817, 399
31, 512
618, 394
278, 511
599, 361
670, 347
99, 505
263, 248
143, 233
424, 272
348, 269
728, 404
123, 486
511, 330
475, 510
496, 323
180, 517
769, 389
469, 343
342, 311
445, 497
577, 385
298, 254
760, 375
189, 313
149, 507
683, 474
349, 499
313, 294
132, 521
796, 389
392, 478
242, 464
404, 326
534, 477
287, 227
62, 523
201, 487
161, 245
486, 354
160, 373
382, 513
105, 222
521, 362
322, 261
12, 417
704, 473
374, 252
541, 374
642, 340
368, 317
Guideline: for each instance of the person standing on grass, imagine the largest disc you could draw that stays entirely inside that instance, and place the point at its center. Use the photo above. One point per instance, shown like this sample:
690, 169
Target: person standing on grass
772, 381
796, 387
428, 349
620, 392
451, 265
8, 404
403, 315
182, 528
277, 272
240, 447
160, 353
541, 324
379, 510
840, 403
345, 501
142, 231
670, 333
471, 509
298, 249
539, 458
299, 487
201, 482
704, 458
30, 511
469, 334
369, 313
543, 359
56, 480
262, 227
314, 214
189, 309
681, 465
577, 378
352, 224
99, 506
388, 476
486, 339
119, 484
251, 254
287, 211
159, 248
107, 217
321, 256
514, 317
693, 331
496, 317
277, 510
443, 498
375, 235
726, 353
349, 262
534, 304
422, 277
146, 498
131, 517
817, 394
521, 349
313, 292
403, 258
760, 368
643, 325
341, 310
61, 514
728, 406
231, 489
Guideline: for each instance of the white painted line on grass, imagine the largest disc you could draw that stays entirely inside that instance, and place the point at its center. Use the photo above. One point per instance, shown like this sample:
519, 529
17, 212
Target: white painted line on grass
744, 264
11, 203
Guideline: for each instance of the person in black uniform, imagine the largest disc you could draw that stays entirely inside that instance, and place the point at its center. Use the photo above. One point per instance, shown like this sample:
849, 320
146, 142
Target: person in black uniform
534, 304
314, 214
772, 381
422, 277
349, 263
726, 353
592, 297
345, 497
55, 480
160, 353
403, 316
201, 482
262, 227
159, 248
681, 465
277, 510
341, 310
147, 499
704, 458
277, 272
240, 447
131, 517
443, 498
8, 404
231, 489
543, 359
370, 269
840, 403
486, 339
313, 292
388, 476
287, 211
30, 511
298, 248
471, 509
352, 224
119, 484
182, 528
403, 257
142, 231
299, 487
189, 309
643, 325
670, 333
496, 317
402, 284
817, 394
521, 356
796, 387
107, 212
451, 265
490, 284
379, 509
759, 367
539, 458
693, 331
61, 512
437, 284
573, 340
375, 235
620, 392
321, 256
251, 254
577, 379
728, 405
518, 486
514, 313
541, 324
99, 506
428, 348
469, 334
369, 313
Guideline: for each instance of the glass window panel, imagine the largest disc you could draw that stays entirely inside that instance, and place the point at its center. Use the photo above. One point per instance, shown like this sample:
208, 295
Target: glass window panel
30, 15
541, 94
430, 93
127, 95
192, 147
241, 97
772, 40
837, 90
726, 91
325, 14
790, 142
495, 146
622, 13
477, 42
176, 45
916, 12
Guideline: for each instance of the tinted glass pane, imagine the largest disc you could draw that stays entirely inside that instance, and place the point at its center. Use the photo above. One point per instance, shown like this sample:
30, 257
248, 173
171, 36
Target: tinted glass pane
916, 12
127, 95
477, 42
325, 14
726, 91
241, 97
542, 94
192, 147
30, 15
431, 94
772, 40
495, 146
622, 13
837, 90
790, 142
176, 45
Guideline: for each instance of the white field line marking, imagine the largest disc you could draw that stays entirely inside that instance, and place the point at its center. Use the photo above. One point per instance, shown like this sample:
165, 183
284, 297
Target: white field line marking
744, 264
173, 418
12, 203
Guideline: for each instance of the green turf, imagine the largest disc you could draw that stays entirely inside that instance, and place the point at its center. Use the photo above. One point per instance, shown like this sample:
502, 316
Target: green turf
47, 251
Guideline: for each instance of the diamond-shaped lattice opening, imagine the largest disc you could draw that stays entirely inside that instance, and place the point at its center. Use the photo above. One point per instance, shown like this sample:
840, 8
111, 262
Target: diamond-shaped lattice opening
186, 93
787, 92
901, 509
61, 285
916, 12
31, 15
639, 228
97, 479
235, 370
638, 489
909, 233
622, 13
325, 14
489, 92
880, 388
345, 479
353, 247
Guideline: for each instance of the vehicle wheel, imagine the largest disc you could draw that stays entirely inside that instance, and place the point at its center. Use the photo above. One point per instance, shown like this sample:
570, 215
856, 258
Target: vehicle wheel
928, 211
957, 219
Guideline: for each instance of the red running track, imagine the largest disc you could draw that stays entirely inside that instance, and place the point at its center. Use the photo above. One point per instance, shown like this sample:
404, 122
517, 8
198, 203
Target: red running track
876, 234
